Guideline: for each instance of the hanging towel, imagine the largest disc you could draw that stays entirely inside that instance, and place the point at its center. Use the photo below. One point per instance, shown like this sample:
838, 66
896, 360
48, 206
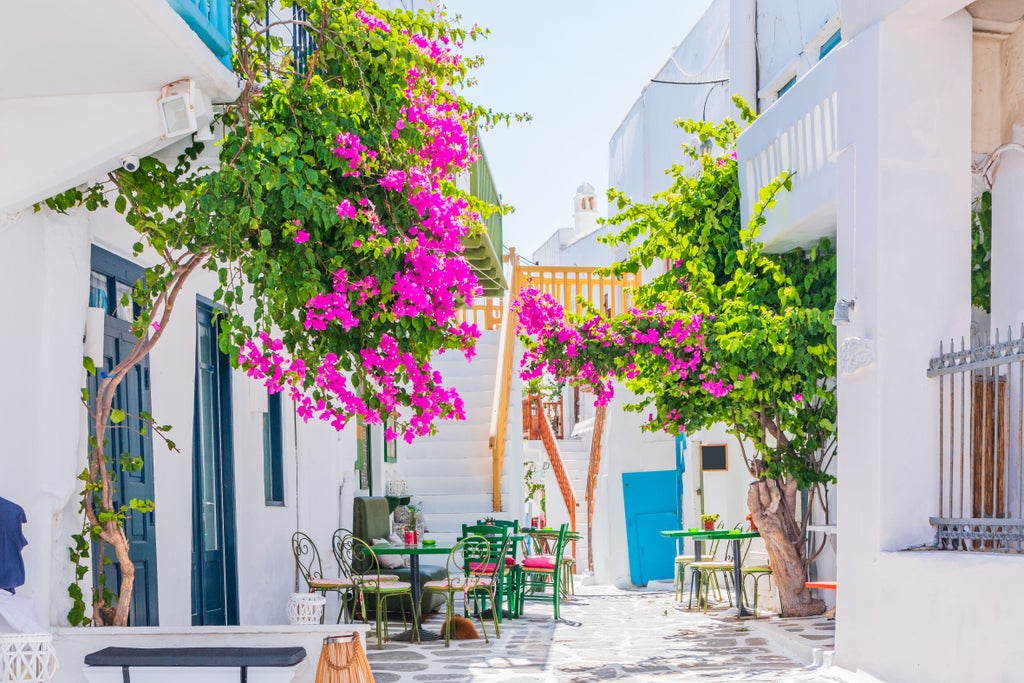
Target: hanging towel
12, 568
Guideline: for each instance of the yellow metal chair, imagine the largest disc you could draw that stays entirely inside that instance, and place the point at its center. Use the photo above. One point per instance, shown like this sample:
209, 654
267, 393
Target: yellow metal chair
357, 559
307, 558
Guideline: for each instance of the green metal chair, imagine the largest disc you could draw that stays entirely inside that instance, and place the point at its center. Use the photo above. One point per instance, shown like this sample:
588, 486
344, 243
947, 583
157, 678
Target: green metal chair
307, 559
503, 552
541, 572
471, 551
358, 560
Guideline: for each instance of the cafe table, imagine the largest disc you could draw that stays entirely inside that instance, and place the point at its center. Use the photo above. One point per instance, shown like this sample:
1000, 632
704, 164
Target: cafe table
734, 536
414, 552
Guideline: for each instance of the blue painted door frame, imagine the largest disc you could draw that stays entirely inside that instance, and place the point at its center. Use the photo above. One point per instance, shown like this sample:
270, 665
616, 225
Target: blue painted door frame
214, 555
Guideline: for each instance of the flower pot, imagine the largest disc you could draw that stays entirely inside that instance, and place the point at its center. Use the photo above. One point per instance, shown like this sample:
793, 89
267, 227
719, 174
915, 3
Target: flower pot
709, 525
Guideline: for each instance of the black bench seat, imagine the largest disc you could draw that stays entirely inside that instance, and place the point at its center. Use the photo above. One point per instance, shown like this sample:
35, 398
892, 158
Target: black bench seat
242, 658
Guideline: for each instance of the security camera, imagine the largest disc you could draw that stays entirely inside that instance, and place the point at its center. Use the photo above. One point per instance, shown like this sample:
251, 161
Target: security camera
130, 163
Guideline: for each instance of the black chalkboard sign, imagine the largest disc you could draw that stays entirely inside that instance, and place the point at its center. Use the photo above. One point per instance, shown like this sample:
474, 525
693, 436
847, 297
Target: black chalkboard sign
713, 457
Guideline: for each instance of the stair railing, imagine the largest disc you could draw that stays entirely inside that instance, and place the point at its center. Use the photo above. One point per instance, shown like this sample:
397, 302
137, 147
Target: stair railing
547, 437
502, 384
592, 471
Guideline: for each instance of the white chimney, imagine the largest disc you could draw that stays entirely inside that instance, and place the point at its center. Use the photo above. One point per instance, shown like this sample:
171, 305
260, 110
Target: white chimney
584, 210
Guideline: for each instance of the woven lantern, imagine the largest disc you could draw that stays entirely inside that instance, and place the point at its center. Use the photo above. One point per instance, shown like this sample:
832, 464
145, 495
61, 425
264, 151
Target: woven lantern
27, 658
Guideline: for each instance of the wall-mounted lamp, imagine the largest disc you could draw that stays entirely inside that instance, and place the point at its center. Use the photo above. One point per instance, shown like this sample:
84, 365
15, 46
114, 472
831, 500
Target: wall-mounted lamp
841, 313
177, 108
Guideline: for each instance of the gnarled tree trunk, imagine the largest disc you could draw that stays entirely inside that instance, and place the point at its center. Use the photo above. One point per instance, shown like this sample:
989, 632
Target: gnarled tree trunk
772, 504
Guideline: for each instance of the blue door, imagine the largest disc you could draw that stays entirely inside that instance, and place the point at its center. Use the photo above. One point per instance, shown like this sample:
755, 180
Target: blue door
112, 279
214, 565
652, 506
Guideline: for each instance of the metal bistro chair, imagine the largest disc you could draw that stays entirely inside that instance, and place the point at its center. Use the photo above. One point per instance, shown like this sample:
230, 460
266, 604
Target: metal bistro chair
513, 564
358, 560
307, 558
500, 538
543, 571
469, 552
710, 571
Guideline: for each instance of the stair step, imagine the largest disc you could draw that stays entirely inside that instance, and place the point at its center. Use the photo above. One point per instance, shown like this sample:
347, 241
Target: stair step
440, 463
450, 483
447, 502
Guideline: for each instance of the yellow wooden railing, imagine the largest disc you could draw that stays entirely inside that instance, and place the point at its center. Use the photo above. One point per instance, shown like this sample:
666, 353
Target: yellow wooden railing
503, 379
568, 285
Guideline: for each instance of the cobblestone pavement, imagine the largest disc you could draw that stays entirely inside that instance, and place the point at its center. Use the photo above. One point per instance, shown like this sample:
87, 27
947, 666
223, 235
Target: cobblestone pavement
610, 634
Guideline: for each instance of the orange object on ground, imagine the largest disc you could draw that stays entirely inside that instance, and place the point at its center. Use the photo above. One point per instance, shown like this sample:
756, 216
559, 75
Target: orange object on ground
824, 585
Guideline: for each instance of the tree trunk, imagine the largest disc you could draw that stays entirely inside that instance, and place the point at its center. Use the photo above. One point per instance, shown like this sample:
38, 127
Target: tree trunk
772, 504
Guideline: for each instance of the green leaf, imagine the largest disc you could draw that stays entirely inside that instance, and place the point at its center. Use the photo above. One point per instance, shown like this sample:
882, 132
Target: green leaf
90, 367
117, 416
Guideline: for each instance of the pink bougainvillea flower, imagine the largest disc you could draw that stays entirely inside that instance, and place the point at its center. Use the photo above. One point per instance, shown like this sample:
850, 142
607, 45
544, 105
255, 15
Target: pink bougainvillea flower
345, 209
798, 398
301, 237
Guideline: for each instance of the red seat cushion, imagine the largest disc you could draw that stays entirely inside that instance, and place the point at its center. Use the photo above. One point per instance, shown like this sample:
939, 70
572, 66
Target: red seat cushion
539, 562
481, 567
510, 561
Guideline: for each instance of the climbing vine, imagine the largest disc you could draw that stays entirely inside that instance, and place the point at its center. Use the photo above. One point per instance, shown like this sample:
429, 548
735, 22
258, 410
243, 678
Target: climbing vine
728, 334
333, 222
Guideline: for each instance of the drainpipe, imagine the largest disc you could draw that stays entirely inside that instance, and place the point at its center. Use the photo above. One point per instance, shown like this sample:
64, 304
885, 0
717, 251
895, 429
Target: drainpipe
743, 50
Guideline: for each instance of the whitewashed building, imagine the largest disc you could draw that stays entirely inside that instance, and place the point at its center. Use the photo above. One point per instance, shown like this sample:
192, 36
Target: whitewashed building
89, 95
891, 136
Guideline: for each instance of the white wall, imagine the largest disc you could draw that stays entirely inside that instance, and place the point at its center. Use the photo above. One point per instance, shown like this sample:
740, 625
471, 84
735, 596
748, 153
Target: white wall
790, 34
647, 141
45, 263
904, 256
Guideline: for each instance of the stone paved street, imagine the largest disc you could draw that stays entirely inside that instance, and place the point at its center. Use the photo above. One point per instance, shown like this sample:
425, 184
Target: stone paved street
611, 634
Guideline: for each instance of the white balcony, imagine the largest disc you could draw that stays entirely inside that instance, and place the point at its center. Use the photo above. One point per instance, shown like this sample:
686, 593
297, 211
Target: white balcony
82, 81
798, 134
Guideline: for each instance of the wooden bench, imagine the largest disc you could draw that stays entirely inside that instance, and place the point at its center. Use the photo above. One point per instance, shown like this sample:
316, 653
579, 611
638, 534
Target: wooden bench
194, 663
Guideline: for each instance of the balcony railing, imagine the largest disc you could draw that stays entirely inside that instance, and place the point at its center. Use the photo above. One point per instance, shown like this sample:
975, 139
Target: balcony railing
567, 284
211, 20
798, 133
981, 425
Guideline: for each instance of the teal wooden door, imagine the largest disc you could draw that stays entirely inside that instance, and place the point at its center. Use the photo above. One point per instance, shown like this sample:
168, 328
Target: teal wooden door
214, 564
651, 505
111, 278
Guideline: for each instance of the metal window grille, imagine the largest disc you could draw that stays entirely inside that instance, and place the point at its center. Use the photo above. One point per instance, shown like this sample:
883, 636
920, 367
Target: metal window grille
981, 431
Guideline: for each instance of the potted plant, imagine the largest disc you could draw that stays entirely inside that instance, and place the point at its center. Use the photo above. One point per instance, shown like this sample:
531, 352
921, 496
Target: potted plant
709, 521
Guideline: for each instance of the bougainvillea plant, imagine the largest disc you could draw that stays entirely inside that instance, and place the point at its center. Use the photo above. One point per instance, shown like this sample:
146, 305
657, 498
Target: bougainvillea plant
728, 334
331, 216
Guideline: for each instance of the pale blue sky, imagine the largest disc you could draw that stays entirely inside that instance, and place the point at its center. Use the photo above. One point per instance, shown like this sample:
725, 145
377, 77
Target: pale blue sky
577, 67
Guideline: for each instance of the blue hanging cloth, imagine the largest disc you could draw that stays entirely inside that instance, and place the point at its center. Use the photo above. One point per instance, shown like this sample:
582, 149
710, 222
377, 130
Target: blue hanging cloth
12, 540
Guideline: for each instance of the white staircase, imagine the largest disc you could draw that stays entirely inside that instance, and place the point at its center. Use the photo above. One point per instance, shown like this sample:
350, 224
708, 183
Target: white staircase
450, 472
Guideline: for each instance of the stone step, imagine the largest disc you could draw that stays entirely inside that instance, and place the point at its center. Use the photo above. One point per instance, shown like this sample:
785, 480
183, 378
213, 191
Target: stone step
446, 502
451, 482
439, 463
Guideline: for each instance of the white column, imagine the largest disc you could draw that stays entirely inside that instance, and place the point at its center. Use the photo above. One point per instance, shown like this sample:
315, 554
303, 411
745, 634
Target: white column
904, 253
